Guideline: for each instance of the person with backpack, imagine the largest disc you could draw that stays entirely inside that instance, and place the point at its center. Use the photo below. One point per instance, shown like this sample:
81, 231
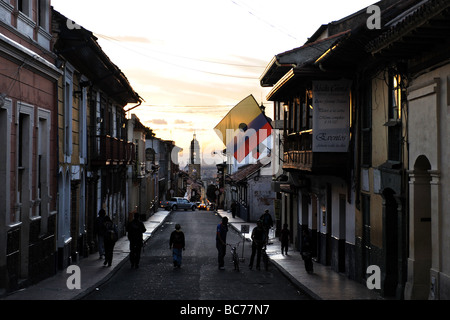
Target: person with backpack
110, 238
177, 244
135, 229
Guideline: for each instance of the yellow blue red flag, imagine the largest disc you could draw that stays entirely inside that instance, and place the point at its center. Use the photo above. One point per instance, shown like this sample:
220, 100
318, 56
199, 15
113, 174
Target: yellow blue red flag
244, 128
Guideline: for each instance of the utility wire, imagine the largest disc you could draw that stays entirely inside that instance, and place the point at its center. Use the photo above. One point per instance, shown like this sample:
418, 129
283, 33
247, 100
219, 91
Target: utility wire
188, 58
251, 12
177, 65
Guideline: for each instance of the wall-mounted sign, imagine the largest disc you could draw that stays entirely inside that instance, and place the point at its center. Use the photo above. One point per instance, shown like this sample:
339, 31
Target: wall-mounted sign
331, 116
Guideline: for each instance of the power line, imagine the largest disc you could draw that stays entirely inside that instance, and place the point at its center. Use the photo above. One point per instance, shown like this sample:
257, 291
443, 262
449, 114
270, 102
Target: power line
180, 66
251, 12
189, 58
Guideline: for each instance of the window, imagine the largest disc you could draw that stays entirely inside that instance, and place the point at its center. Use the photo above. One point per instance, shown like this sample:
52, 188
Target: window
68, 106
395, 96
366, 130
395, 113
24, 7
43, 162
24, 161
5, 155
42, 13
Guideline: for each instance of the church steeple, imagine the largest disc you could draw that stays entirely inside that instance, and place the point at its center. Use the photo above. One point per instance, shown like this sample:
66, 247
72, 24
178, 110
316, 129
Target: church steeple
194, 151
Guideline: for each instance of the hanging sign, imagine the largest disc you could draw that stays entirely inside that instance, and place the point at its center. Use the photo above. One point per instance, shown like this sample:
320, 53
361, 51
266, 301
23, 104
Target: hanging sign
331, 116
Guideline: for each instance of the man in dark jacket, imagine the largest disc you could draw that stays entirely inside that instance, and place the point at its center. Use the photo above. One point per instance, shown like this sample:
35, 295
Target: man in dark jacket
99, 232
177, 244
135, 229
267, 223
258, 241
221, 241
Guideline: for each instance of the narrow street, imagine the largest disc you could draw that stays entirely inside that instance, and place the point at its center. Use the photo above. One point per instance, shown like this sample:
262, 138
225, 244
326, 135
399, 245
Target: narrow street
199, 277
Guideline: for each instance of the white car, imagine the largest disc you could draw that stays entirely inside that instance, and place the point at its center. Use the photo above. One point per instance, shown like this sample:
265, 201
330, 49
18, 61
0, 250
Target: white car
178, 203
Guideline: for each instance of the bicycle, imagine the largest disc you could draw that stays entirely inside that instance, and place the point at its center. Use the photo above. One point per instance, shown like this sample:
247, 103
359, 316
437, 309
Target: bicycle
234, 255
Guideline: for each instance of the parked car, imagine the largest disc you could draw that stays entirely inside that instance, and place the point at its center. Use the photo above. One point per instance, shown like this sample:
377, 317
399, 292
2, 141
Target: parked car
178, 203
202, 206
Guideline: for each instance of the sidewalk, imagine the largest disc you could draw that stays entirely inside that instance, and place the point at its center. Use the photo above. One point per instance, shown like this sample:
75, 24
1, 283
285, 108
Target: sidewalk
93, 273
323, 284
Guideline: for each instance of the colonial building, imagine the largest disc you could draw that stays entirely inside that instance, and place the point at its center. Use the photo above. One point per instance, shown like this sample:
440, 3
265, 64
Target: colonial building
28, 135
377, 201
143, 177
251, 189
166, 159
416, 46
94, 151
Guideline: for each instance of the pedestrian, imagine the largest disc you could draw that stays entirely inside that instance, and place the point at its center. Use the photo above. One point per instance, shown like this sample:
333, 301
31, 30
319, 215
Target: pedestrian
177, 244
306, 251
233, 209
285, 237
135, 228
110, 238
258, 241
99, 232
267, 223
221, 242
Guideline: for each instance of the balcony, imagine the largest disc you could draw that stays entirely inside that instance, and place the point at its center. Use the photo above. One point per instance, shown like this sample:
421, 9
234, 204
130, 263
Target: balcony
108, 151
298, 155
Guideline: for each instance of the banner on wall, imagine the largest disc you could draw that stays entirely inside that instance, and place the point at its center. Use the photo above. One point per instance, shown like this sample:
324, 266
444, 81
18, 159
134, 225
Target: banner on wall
331, 116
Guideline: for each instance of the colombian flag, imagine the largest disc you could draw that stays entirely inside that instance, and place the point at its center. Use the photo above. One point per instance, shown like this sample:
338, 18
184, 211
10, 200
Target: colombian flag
244, 128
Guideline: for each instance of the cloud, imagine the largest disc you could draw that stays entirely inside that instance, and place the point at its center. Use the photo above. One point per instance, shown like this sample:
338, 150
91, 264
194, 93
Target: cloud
157, 121
179, 121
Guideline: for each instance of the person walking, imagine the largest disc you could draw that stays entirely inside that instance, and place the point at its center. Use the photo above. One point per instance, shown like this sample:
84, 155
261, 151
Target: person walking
110, 238
135, 228
267, 223
233, 209
221, 242
99, 232
284, 238
258, 241
177, 244
306, 251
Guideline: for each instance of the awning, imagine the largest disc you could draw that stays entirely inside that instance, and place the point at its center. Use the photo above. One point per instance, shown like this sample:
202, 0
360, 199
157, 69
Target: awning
419, 28
282, 63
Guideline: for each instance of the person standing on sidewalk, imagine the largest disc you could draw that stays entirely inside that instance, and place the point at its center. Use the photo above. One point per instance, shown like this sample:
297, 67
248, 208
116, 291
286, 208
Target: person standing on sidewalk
221, 242
284, 238
258, 241
110, 238
99, 232
233, 209
135, 229
267, 223
177, 244
306, 251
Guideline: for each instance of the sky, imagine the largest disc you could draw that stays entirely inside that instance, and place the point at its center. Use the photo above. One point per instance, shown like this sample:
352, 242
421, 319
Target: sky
193, 61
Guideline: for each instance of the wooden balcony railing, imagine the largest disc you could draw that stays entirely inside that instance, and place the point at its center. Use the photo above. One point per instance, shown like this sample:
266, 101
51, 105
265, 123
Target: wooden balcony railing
107, 150
298, 155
